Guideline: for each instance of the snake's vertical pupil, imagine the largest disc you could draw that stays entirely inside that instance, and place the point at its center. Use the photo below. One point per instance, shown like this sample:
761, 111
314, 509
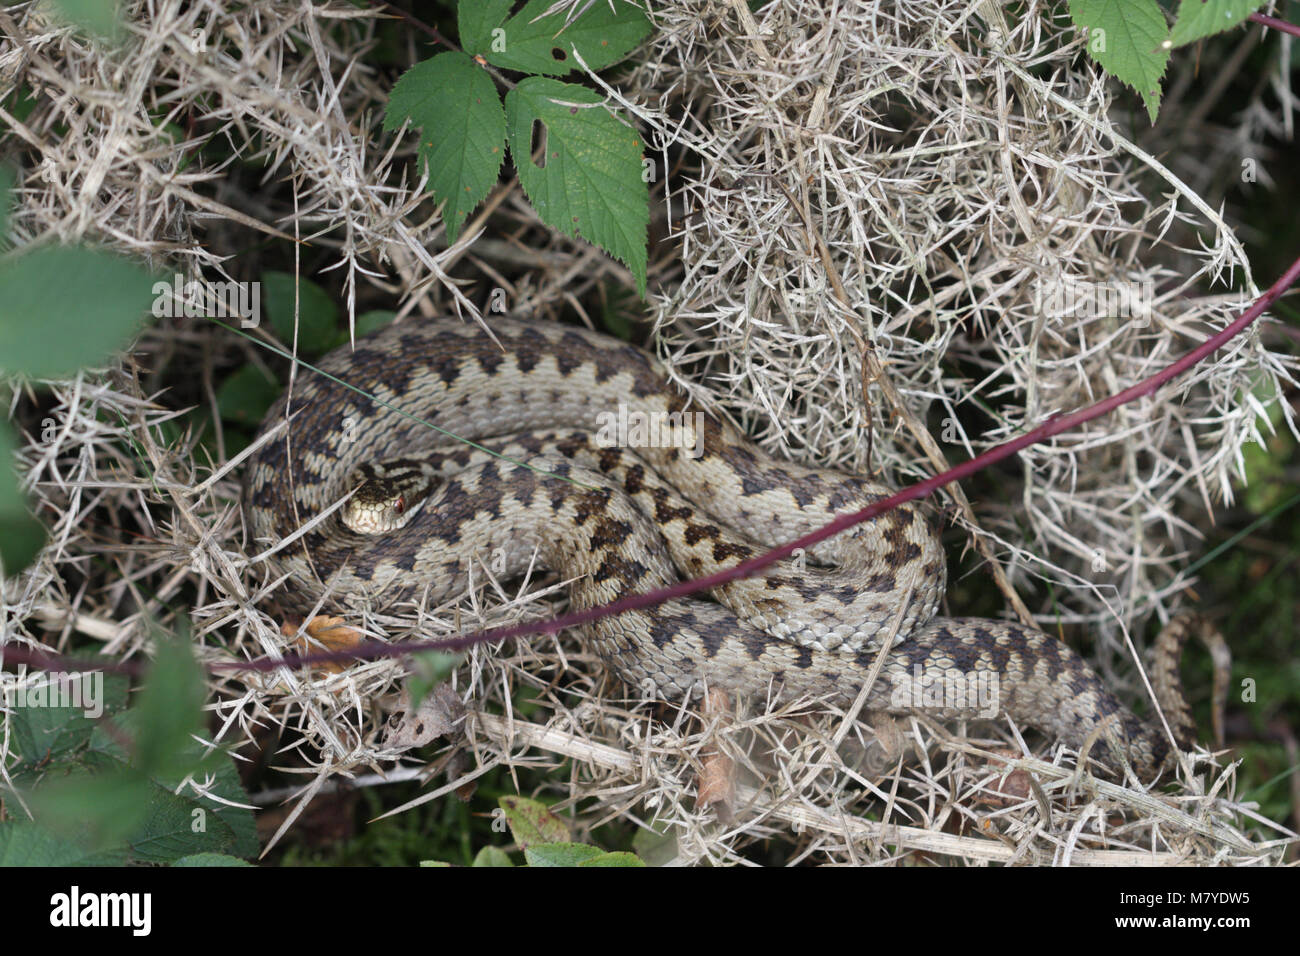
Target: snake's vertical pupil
400, 504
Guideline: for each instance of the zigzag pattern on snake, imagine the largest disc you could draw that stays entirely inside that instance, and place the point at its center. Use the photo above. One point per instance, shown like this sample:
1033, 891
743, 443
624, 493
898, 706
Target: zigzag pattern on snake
620, 521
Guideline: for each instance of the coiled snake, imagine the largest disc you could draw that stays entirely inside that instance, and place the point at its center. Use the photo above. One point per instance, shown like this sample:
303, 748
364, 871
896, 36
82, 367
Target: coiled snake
618, 520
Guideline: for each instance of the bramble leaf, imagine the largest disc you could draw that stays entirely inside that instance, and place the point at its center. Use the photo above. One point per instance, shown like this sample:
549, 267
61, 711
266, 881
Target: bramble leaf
619, 859
1198, 19
318, 313
492, 856
177, 826
210, 859
169, 707
1127, 37
21, 535
476, 19
24, 843
65, 307
58, 714
6, 200
245, 396
455, 105
102, 18
561, 854
428, 670
532, 823
590, 181
532, 43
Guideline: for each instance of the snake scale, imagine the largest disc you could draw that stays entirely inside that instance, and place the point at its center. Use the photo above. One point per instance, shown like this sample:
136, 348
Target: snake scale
618, 520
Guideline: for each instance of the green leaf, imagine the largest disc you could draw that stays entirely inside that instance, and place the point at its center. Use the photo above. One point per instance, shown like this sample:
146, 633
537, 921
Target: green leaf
169, 709
42, 730
366, 322
11, 495
221, 788
21, 539
95, 17
619, 308
176, 826
117, 805
1127, 37
210, 859
219, 804
102, 808
20, 104
492, 856
21, 535
318, 315
590, 184
373, 321
601, 35
24, 843
561, 854
577, 854
476, 19
428, 670
242, 823
86, 791
220, 813
245, 395
64, 307
614, 859
531, 823
455, 105
656, 846
6, 201
1198, 19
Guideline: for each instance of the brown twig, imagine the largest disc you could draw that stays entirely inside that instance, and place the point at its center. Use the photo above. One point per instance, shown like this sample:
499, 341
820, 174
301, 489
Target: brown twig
1275, 23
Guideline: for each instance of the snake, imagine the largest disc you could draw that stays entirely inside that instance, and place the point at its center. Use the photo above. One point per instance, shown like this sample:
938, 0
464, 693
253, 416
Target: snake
430, 446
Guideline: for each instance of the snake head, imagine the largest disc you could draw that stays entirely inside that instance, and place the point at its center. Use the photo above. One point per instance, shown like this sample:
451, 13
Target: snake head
386, 496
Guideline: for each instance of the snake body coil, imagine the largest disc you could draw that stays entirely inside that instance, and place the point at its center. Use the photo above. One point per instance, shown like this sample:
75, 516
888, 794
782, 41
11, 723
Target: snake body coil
620, 520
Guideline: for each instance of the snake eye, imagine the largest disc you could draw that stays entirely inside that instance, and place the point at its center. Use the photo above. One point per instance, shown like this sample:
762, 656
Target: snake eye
400, 504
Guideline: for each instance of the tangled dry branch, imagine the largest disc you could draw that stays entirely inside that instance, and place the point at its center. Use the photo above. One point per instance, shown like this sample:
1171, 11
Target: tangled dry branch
927, 196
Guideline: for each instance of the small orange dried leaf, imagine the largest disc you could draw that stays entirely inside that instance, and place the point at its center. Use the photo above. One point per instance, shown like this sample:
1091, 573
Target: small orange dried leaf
325, 633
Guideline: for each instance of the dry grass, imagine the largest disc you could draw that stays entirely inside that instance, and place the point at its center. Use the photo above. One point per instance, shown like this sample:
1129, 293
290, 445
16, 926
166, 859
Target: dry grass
875, 192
